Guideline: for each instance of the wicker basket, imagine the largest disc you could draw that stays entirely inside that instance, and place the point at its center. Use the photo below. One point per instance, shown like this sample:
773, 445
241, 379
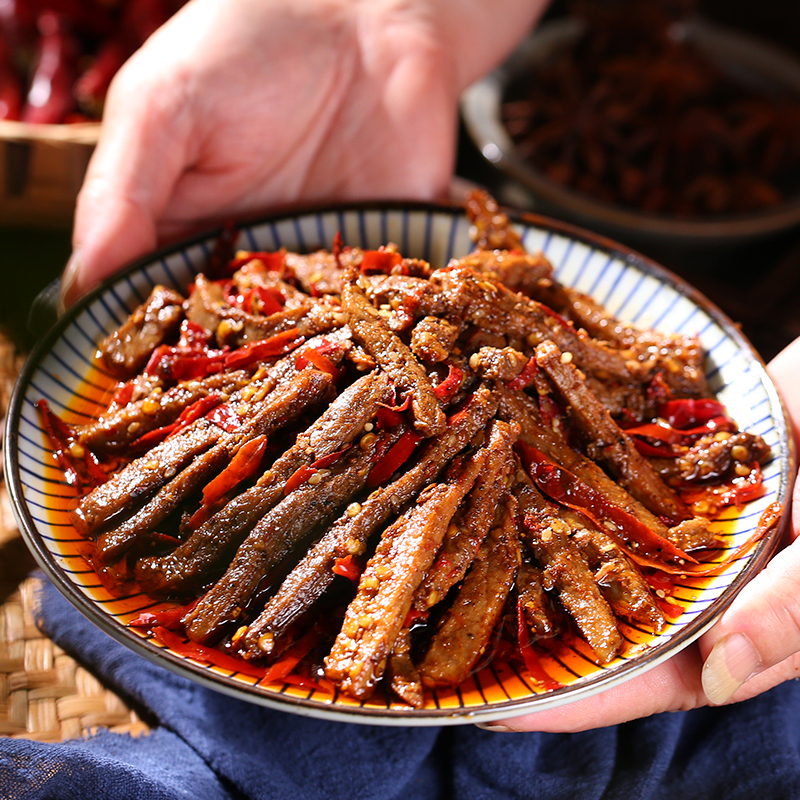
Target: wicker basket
41, 171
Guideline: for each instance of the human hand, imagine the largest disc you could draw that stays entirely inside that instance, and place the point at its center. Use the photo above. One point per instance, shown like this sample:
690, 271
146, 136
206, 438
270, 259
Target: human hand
238, 106
754, 646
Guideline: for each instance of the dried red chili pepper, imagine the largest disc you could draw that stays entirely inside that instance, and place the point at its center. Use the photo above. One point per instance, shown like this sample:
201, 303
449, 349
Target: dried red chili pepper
276, 345
525, 378
244, 463
50, 96
310, 355
689, 412
379, 261
223, 416
189, 414
397, 455
200, 652
78, 463
391, 416
347, 567
171, 618
567, 489
451, 384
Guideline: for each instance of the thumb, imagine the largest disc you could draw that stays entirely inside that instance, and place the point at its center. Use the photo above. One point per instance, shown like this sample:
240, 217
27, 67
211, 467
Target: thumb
130, 179
756, 644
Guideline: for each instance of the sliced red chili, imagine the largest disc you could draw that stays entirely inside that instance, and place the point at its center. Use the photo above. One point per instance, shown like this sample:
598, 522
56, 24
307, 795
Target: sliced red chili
331, 458
78, 463
312, 356
379, 261
171, 618
201, 652
244, 463
397, 455
272, 262
298, 478
391, 416
451, 384
689, 412
348, 568
276, 345
123, 394
567, 489
285, 665
223, 416
525, 378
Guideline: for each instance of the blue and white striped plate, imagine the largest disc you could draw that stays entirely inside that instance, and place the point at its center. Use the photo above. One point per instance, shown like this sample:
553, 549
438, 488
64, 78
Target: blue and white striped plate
62, 371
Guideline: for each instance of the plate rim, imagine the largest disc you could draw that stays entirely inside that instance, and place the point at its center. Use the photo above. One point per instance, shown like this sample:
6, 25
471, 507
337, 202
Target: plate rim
593, 684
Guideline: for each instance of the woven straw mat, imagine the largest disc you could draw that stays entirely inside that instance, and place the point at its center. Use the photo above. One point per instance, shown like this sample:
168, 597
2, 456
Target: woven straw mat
44, 693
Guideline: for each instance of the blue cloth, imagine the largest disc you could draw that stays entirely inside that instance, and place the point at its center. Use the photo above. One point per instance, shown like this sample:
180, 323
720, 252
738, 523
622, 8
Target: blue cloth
207, 746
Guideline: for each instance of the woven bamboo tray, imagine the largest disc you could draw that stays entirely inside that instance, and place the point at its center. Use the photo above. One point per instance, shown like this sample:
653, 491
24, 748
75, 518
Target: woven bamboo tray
44, 693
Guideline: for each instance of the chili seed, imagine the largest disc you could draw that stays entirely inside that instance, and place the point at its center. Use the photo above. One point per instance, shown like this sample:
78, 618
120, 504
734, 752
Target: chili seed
352, 510
740, 453
367, 441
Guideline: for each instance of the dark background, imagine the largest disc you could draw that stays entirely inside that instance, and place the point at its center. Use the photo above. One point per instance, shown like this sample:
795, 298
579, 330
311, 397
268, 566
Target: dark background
757, 285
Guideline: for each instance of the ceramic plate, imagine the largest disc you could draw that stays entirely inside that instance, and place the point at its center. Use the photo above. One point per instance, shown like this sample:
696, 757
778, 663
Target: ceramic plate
62, 371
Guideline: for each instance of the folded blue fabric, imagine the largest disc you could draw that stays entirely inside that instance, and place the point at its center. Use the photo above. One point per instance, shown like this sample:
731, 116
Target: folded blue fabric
208, 746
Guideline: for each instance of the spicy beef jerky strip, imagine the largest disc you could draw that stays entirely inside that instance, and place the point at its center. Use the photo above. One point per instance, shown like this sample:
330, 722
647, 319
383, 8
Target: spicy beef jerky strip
517, 407
606, 441
309, 580
433, 338
467, 626
141, 478
127, 349
393, 355
402, 672
197, 559
465, 535
376, 615
273, 539
566, 570
280, 407
121, 426
544, 621
620, 582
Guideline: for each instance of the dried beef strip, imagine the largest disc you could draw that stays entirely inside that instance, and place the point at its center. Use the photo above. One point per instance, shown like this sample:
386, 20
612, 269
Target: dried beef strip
466, 629
498, 363
127, 349
620, 582
393, 355
606, 441
713, 456
566, 571
692, 534
517, 407
141, 478
404, 677
309, 580
491, 228
274, 538
471, 525
198, 559
433, 338
278, 409
491, 306
543, 620
376, 615
121, 426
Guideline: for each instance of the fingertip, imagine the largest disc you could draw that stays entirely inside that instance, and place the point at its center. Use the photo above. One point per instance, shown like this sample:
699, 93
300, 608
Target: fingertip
732, 661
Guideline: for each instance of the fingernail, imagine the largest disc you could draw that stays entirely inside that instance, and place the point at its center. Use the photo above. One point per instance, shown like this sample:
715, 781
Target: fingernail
730, 663
68, 294
494, 726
